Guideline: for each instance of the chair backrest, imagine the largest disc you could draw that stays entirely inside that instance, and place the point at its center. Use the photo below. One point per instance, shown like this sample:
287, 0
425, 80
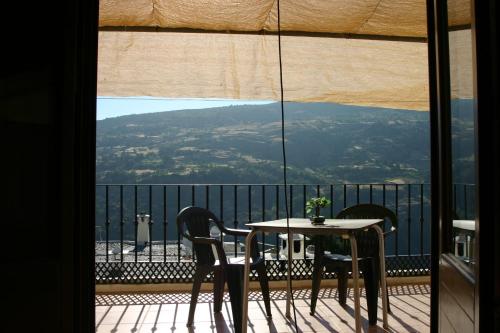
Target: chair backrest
197, 222
368, 240
369, 211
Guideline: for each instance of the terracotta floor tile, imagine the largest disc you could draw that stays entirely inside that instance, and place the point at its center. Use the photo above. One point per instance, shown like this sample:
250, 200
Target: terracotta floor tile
168, 313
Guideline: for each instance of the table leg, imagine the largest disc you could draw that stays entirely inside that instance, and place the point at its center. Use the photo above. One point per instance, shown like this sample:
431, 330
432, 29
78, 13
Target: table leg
355, 282
246, 280
383, 284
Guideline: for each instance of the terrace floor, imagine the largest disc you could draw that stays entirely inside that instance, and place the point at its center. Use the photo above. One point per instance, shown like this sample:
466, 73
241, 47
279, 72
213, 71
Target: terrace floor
162, 312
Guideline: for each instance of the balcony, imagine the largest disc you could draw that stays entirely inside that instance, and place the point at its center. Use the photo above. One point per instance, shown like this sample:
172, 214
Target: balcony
143, 282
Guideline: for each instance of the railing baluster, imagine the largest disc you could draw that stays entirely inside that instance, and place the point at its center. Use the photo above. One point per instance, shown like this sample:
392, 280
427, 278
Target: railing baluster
318, 192
396, 235
263, 219
193, 203
178, 231
136, 223
331, 199
207, 197
250, 206
304, 214
371, 193
235, 223
249, 203
165, 223
409, 219
345, 195
263, 188
150, 224
455, 208
383, 195
221, 203
107, 222
221, 209
277, 217
122, 222
291, 201
383, 204
357, 194
305, 243
465, 202
304, 196
277, 202
192, 195
421, 219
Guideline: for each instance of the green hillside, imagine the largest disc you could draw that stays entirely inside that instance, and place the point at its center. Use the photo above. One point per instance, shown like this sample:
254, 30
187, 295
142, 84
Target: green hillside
326, 143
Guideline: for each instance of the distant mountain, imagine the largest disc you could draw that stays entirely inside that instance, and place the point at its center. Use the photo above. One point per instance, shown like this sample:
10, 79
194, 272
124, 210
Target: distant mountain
326, 143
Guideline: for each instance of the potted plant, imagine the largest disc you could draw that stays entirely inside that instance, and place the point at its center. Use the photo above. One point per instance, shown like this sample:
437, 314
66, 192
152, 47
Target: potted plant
315, 204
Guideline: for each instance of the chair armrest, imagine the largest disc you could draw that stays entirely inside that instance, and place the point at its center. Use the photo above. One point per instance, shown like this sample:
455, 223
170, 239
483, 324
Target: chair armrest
387, 233
204, 240
236, 232
243, 233
211, 241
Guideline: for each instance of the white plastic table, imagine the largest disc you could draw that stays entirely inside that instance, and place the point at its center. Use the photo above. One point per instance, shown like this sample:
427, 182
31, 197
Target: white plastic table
469, 225
345, 227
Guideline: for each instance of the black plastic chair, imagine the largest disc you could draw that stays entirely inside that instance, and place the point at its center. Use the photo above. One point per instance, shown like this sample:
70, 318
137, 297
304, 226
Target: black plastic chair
198, 221
368, 258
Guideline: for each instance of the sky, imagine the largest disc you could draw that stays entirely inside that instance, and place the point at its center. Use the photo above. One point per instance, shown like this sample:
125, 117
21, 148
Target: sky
108, 107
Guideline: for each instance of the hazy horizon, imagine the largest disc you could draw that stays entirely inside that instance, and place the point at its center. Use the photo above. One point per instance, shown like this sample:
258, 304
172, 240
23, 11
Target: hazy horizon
110, 107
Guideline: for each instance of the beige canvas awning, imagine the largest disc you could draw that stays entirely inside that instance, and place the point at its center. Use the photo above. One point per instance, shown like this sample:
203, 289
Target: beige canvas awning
362, 52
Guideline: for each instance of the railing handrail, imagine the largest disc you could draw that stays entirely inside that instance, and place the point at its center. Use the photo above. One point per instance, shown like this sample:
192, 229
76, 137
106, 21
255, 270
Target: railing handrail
265, 184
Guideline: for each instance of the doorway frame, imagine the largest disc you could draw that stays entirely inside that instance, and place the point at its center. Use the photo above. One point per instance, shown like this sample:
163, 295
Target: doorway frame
485, 32
79, 142
485, 27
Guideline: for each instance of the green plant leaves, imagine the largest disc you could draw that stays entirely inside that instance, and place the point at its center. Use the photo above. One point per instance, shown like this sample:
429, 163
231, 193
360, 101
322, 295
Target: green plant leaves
314, 203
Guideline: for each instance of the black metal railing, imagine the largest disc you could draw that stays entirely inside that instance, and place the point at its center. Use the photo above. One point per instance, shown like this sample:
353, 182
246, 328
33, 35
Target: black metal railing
122, 255
464, 201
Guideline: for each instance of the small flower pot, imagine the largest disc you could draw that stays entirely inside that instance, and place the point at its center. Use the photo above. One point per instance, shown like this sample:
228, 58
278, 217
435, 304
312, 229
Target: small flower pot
318, 220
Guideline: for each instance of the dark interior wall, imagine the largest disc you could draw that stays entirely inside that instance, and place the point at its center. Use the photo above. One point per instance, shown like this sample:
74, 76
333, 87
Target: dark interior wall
47, 116
47, 112
487, 28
